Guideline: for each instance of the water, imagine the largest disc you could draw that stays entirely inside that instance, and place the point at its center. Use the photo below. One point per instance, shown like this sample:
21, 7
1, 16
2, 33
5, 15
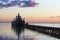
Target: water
6, 33
47, 24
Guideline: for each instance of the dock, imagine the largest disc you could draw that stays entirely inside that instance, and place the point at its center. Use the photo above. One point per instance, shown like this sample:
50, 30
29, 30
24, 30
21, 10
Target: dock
52, 31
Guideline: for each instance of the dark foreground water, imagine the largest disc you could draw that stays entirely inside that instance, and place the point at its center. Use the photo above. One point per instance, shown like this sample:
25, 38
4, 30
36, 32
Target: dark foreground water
6, 33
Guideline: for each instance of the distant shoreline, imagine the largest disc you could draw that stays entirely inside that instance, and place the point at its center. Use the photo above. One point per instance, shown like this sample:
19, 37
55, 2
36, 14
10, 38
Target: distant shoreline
5, 22
43, 22
34, 22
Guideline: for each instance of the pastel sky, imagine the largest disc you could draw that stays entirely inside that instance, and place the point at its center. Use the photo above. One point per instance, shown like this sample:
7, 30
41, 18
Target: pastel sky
46, 11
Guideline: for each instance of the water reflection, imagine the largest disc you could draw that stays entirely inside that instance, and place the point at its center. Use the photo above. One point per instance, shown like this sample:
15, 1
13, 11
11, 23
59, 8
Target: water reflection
11, 38
7, 32
18, 25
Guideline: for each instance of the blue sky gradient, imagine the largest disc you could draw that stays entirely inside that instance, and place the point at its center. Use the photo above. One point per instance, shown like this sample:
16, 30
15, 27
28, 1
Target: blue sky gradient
45, 11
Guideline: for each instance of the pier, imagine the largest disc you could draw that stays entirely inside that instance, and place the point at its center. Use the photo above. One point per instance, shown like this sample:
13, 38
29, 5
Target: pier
18, 25
52, 31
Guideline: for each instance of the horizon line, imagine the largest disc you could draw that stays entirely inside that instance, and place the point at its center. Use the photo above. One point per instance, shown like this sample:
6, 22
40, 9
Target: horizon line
33, 22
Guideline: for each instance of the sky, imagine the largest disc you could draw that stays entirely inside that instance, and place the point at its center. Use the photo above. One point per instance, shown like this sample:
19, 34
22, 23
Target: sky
45, 11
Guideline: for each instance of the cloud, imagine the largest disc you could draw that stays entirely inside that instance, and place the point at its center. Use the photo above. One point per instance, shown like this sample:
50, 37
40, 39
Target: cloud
4, 0
55, 17
20, 3
52, 17
58, 16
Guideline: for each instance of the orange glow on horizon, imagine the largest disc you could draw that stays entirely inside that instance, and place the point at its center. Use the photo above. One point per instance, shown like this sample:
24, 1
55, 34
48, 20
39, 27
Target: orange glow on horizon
43, 19
36, 14
32, 19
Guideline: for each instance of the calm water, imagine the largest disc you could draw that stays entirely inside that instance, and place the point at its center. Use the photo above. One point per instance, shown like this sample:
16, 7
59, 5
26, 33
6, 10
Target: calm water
7, 32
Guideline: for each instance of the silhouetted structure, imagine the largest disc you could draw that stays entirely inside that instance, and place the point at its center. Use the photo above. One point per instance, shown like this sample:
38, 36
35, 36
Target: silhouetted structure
52, 31
18, 25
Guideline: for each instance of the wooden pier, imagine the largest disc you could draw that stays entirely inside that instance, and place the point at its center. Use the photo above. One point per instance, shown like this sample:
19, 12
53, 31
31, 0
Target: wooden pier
18, 25
52, 31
